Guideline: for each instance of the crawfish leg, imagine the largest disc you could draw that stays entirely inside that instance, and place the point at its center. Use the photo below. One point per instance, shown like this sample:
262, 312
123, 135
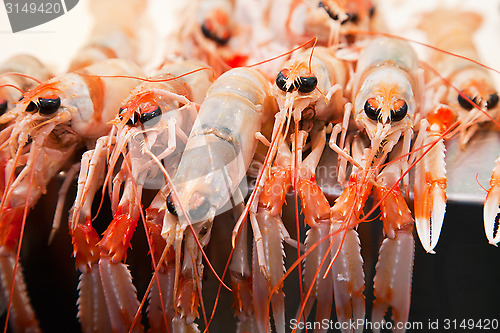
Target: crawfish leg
92, 311
272, 240
317, 215
241, 283
160, 310
22, 317
348, 275
121, 298
269, 233
392, 284
188, 293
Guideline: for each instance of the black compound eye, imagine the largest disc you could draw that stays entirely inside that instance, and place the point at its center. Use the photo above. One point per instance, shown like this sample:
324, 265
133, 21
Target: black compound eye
400, 111
307, 84
465, 103
32, 107
120, 113
372, 12
208, 33
170, 205
152, 117
351, 17
49, 105
281, 82
332, 15
371, 109
134, 118
200, 211
3, 106
492, 101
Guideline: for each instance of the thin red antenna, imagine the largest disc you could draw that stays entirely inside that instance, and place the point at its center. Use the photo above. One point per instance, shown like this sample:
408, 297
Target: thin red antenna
479, 183
459, 92
22, 75
149, 80
148, 290
155, 272
312, 40
198, 287
18, 252
311, 56
12, 86
296, 203
190, 226
377, 33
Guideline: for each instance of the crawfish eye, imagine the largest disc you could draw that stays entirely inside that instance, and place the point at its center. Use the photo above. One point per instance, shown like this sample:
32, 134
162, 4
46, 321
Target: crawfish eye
3, 106
120, 113
492, 101
151, 117
371, 108
207, 30
281, 82
351, 17
371, 13
307, 84
465, 103
200, 211
134, 118
49, 105
170, 205
399, 113
332, 15
32, 107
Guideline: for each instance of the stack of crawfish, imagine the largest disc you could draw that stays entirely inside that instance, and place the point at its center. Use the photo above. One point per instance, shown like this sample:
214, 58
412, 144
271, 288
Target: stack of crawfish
239, 116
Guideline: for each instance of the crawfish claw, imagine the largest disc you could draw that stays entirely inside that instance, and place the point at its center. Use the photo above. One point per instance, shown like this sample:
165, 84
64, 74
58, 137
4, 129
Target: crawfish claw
429, 226
490, 214
430, 195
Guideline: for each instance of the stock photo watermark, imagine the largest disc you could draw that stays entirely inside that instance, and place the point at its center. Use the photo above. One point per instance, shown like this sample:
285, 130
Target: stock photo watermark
425, 326
26, 14
325, 177
219, 175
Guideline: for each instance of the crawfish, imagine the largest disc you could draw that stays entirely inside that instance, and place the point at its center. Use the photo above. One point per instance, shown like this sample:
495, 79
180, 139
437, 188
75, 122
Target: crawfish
47, 127
152, 126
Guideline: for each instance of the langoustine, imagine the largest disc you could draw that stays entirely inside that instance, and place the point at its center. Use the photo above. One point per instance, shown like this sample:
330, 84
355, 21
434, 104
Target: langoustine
309, 89
46, 128
150, 131
164, 199
223, 136
385, 109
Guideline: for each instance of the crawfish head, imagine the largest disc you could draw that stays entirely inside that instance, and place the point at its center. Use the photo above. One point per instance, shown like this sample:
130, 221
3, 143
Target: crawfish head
385, 98
477, 99
44, 116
